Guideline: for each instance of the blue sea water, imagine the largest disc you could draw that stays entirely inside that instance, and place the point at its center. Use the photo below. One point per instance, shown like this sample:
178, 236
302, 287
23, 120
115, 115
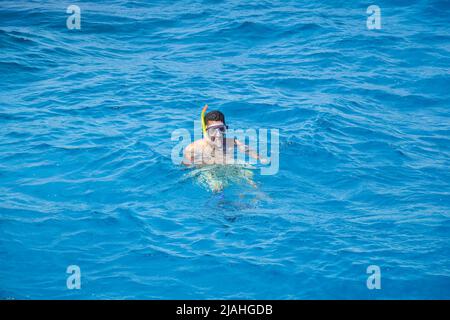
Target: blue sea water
86, 176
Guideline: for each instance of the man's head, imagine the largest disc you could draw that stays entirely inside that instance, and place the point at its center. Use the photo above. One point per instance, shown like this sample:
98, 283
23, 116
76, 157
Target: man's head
215, 127
214, 118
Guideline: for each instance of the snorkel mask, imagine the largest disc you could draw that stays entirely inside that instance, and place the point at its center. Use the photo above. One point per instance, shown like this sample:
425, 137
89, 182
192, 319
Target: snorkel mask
214, 133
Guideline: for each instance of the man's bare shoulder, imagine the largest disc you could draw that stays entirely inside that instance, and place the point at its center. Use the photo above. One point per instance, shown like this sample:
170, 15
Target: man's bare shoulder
198, 144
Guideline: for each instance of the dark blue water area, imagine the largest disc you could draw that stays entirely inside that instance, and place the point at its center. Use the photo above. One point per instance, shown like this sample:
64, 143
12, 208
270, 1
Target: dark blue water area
87, 179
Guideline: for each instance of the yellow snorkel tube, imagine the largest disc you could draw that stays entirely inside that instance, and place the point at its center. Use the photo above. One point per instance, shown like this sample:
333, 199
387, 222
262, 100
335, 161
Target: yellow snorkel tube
203, 120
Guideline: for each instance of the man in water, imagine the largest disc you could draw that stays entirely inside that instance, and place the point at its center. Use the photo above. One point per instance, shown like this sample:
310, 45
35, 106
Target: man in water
215, 147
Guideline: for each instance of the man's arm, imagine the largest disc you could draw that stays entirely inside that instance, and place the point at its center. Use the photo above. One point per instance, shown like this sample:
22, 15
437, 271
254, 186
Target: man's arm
188, 155
246, 149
